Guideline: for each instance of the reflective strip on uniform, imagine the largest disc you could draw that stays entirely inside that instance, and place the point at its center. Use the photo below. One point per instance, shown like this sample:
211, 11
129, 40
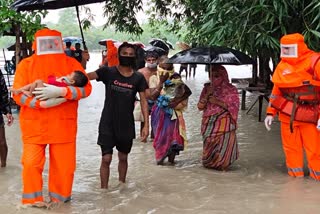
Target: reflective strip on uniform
59, 197
295, 169
83, 92
316, 173
33, 102
31, 195
73, 92
23, 99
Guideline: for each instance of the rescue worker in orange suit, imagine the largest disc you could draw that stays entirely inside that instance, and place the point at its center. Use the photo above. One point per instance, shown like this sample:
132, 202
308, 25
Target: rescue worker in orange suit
296, 97
48, 124
111, 57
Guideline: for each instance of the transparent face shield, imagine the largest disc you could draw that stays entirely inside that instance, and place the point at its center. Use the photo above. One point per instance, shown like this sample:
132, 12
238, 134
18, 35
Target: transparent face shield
49, 45
289, 51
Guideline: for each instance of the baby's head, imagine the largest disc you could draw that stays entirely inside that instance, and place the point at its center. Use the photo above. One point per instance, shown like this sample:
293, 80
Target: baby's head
77, 78
164, 65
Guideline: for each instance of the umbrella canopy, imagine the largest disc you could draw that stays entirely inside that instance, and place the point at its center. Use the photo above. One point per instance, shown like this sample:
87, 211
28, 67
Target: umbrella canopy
103, 41
23, 5
29, 5
165, 45
72, 39
22, 46
211, 55
158, 50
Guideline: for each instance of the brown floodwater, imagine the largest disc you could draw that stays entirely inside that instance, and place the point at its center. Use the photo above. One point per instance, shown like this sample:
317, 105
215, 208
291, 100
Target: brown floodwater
256, 183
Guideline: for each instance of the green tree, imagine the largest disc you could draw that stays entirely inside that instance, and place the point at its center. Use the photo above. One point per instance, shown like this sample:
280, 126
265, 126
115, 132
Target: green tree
252, 26
20, 24
256, 26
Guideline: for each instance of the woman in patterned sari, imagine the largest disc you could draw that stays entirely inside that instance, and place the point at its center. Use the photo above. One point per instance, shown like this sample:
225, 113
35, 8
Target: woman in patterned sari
219, 101
167, 119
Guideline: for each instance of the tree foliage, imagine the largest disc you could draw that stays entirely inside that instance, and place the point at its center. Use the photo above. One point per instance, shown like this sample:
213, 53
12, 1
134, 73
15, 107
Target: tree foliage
252, 26
29, 22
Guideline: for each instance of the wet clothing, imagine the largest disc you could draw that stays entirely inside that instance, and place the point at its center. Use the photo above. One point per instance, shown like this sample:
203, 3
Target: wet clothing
292, 72
117, 120
218, 126
4, 96
107, 148
220, 148
56, 126
168, 124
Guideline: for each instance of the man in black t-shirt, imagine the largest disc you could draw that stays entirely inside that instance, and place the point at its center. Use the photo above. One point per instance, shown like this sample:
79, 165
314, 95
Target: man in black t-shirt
116, 128
77, 53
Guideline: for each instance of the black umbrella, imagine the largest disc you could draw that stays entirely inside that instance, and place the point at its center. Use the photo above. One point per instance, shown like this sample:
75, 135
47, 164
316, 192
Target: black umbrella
165, 45
22, 46
28, 5
211, 55
158, 50
103, 41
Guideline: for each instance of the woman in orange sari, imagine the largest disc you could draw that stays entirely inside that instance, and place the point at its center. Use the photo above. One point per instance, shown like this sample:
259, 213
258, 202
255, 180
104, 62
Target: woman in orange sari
219, 101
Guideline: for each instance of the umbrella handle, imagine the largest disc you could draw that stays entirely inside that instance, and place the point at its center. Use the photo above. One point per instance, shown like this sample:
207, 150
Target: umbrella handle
83, 42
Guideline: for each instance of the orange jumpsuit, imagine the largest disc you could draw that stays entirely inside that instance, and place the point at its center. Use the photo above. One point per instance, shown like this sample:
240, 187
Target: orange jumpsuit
294, 72
55, 126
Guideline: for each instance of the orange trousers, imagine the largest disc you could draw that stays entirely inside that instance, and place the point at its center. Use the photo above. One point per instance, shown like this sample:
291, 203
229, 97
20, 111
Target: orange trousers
305, 137
62, 163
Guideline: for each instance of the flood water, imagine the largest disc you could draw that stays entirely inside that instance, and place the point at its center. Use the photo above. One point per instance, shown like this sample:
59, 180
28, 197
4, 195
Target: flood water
256, 183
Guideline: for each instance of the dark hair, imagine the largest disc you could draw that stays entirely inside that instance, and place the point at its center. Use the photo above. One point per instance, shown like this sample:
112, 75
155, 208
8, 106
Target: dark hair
151, 54
126, 45
80, 79
68, 44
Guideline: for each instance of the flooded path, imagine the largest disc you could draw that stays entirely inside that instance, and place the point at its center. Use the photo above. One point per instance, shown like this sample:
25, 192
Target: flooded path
256, 183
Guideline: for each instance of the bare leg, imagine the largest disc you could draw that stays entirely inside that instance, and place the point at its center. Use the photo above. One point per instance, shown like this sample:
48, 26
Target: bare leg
105, 170
3, 147
186, 69
122, 166
141, 127
171, 157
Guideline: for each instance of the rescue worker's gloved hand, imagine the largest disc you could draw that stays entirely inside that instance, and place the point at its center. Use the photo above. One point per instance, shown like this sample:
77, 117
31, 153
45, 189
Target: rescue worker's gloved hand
49, 91
318, 125
268, 121
52, 102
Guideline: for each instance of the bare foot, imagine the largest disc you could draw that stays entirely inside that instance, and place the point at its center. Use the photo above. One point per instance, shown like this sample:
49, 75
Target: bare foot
40, 204
4, 164
54, 204
160, 162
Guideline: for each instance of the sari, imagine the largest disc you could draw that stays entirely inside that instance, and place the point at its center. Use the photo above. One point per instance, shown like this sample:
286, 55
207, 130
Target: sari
168, 123
218, 126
